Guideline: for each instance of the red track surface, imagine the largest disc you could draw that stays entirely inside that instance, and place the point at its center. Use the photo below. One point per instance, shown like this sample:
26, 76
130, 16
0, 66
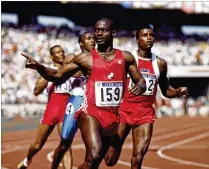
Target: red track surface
177, 143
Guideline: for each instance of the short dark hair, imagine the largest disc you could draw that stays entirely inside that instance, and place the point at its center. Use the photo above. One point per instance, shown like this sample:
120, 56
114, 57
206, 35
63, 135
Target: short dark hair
80, 36
112, 24
142, 27
51, 49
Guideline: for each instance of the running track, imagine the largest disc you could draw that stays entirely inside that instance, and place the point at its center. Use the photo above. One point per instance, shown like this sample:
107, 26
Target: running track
177, 143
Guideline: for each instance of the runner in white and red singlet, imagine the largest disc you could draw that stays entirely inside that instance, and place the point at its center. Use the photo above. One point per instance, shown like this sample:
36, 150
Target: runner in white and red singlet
55, 109
136, 112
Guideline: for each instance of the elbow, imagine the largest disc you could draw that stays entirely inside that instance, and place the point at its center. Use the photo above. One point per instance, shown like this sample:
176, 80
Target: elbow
55, 78
36, 93
167, 94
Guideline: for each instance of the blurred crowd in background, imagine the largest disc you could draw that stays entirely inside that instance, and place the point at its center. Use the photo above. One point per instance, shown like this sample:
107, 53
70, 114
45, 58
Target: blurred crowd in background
18, 82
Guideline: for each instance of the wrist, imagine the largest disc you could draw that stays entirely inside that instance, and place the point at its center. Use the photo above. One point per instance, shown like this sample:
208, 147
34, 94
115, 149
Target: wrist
143, 86
39, 66
178, 93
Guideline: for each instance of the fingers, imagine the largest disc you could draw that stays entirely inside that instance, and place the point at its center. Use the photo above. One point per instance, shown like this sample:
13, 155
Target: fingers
30, 62
135, 90
184, 91
27, 56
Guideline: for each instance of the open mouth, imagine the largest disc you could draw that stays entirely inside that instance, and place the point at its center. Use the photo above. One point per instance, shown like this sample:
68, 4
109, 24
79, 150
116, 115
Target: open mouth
93, 45
100, 39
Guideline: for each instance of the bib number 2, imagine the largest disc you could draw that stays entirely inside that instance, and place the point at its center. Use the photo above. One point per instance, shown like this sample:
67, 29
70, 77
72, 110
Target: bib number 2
150, 86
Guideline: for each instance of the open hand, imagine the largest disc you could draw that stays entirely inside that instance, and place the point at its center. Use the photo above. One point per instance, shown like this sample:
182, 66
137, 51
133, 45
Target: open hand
137, 89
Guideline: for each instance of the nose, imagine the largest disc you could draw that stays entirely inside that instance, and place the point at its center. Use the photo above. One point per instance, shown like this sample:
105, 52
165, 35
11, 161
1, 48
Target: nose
100, 32
149, 37
92, 40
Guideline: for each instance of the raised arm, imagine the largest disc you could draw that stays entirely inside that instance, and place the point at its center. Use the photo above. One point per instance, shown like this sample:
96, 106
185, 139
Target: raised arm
41, 84
166, 88
57, 76
135, 74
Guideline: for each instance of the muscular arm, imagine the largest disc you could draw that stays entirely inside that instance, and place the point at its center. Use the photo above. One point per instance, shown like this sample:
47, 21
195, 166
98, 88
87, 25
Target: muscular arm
166, 88
132, 69
41, 84
63, 73
69, 59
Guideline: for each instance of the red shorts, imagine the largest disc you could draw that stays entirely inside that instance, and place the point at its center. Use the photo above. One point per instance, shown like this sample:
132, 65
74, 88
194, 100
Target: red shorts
136, 114
55, 109
109, 121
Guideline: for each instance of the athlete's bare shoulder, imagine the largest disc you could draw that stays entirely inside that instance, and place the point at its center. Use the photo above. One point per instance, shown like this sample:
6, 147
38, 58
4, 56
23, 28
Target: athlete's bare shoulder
69, 58
81, 56
83, 59
128, 56
162, 64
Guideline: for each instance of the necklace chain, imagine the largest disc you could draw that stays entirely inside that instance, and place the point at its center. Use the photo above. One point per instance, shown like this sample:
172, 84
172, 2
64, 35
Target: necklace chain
105, 53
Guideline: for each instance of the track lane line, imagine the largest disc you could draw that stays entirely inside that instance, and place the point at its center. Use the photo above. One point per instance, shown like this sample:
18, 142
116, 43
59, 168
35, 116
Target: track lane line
179, 143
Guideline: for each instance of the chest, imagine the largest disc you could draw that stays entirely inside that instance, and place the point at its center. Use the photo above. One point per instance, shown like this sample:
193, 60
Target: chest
150, 73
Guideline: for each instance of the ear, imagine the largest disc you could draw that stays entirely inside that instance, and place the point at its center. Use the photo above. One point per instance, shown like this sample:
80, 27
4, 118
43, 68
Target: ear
51, 57
81, 44
137, 40
113, 33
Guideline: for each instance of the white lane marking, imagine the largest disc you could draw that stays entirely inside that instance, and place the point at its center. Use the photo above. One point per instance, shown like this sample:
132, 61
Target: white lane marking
197, 147
78, 146
50, 155
179, 143
50, 158
163, 130
13, 149
169, 135
178, 133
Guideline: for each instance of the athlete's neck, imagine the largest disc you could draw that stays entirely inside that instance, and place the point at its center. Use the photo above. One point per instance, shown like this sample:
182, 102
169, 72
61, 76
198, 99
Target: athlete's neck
84, 50
144, 54
105, 48
57, 65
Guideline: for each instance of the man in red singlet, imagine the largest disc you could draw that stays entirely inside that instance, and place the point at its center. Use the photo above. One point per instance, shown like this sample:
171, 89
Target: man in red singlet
55, 109
136, 112
105, 69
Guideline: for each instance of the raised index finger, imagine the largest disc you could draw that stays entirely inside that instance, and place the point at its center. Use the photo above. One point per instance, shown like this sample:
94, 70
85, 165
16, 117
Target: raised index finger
27, 56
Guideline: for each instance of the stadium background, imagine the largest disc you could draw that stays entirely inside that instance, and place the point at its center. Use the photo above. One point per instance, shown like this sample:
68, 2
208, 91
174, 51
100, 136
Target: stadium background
182, 39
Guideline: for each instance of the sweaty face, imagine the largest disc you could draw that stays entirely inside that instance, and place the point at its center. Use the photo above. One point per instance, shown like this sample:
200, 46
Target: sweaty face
145, 39
103, 32
58, 55
88, 41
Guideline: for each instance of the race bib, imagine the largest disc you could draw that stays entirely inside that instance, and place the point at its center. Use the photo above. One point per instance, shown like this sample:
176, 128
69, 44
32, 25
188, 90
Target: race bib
63, 88
108, 93
150, 83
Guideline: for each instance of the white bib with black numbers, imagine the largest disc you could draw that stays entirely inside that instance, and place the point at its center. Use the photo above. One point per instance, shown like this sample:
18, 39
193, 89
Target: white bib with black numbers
108, 93
150, 83
151, 79
63, 88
